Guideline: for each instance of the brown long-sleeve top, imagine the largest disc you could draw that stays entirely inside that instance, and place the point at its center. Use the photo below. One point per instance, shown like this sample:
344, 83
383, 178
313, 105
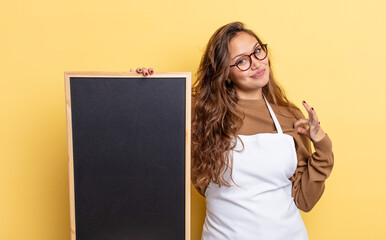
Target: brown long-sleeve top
308, 181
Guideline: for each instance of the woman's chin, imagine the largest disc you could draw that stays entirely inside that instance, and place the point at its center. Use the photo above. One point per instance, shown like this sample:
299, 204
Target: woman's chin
260, 82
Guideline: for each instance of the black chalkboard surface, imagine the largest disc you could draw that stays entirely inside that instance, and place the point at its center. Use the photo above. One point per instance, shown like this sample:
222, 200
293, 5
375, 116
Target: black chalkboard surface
129, 155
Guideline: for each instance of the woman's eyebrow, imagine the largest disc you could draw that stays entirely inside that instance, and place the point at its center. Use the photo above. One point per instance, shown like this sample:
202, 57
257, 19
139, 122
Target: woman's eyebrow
257, 44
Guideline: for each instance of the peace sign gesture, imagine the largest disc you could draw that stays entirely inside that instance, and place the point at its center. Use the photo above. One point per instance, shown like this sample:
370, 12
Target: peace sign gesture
314, 132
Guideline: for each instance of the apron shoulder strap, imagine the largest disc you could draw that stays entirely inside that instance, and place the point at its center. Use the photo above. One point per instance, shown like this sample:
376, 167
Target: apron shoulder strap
277, 124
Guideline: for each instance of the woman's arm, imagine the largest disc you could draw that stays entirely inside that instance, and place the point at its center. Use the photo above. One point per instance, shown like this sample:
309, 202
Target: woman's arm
308, 182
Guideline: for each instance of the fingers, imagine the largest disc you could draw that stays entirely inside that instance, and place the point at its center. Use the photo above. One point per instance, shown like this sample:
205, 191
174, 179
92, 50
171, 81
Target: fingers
145, 72
300, 121
308, 108
314, 117
300, 129
303, 131
311, 114
315, 133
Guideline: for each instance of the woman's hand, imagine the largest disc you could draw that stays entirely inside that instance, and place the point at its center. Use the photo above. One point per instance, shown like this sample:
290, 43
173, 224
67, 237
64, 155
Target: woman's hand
314, 131
144, 71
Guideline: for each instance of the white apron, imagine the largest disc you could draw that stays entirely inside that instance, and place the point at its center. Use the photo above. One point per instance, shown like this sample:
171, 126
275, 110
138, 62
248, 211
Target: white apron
261, 206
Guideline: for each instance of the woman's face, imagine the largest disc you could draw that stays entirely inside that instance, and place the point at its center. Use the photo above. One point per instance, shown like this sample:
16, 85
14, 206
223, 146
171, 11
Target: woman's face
248, 84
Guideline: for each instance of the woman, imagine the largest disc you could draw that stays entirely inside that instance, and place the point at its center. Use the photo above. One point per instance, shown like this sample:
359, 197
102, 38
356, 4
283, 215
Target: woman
251, 152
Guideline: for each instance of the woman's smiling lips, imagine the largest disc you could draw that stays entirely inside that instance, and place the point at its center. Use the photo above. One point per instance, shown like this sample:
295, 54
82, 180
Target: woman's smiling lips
259, 74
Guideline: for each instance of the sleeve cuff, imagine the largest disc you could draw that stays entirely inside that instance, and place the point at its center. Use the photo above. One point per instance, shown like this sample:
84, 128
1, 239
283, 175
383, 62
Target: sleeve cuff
324, 145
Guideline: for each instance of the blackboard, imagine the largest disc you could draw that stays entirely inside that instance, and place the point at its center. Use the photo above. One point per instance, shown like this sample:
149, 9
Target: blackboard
129, 155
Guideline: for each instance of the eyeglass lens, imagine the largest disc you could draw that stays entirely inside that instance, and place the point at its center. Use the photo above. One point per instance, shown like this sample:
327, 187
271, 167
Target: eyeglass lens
245, 62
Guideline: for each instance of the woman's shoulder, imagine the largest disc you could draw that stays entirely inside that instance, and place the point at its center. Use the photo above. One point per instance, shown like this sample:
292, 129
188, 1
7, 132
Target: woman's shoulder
289, 112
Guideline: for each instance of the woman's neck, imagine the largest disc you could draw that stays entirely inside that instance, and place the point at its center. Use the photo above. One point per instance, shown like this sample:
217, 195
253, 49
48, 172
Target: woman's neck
252, 95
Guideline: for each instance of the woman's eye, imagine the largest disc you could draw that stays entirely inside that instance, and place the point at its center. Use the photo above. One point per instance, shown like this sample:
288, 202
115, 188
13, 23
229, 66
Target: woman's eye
257, 50
241, 61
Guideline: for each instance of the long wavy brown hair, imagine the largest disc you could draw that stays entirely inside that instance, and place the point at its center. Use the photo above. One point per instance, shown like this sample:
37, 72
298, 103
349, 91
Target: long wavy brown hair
215, 116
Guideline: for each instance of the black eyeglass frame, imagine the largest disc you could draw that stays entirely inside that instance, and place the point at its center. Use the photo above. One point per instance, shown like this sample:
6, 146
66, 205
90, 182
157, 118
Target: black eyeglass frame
250, 59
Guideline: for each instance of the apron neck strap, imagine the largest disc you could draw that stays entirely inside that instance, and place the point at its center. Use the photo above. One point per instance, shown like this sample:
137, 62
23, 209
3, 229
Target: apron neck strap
277, 125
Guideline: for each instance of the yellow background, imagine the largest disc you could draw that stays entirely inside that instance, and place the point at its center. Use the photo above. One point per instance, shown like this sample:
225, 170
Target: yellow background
330, 53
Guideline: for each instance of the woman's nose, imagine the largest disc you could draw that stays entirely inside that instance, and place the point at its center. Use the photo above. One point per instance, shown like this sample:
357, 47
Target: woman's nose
255, 62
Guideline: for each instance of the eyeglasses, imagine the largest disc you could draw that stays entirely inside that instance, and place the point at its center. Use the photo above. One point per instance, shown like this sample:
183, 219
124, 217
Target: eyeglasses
245, 61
